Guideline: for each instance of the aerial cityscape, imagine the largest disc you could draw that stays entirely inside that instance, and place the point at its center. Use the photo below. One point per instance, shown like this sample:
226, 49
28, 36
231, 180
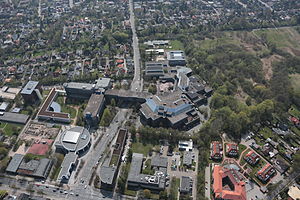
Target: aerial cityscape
150, 99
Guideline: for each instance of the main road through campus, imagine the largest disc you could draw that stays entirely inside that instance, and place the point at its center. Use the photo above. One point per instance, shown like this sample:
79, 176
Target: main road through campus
136, 84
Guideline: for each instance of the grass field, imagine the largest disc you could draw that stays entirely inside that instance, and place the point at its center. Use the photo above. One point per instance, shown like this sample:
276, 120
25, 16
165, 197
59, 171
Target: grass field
66, 108
295, 81
176, 45
284, 37
12, 129
141, 148
2, 124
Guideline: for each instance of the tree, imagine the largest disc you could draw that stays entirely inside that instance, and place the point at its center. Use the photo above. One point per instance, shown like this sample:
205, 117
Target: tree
106, 117
113, 102
163, 195
147, 194
296, 163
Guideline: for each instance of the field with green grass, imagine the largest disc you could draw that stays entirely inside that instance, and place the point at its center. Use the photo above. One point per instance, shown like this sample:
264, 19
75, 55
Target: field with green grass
11, 129
142, 148
176, 45
65, 107
283, 37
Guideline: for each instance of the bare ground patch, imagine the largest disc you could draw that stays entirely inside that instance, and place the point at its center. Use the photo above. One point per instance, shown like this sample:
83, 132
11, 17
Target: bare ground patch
267, 65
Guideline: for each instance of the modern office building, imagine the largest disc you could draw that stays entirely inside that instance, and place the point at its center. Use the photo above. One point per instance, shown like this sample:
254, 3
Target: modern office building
85, 90
170, 110
34, 168
186, 185
157, 181
32, 92
176, 58
94, 109
109, 171
51, 111
73, 142
185, 145
154, 69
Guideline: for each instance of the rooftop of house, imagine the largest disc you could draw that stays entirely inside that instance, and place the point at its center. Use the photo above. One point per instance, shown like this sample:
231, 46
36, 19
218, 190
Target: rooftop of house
228, 184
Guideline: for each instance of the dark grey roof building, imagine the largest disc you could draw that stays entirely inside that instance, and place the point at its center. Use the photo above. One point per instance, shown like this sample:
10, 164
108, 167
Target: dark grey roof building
94, 109
13, 117
186, 185
154, 69
14, 163
188, 158
176, 58
85, 90
154, 182
35, 168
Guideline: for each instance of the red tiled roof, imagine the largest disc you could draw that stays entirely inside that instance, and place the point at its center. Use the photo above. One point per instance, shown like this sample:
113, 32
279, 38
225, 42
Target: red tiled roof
239, 192
216, 149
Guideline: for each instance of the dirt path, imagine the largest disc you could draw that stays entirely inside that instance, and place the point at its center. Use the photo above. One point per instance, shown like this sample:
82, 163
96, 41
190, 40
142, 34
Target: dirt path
267, 65
75, 119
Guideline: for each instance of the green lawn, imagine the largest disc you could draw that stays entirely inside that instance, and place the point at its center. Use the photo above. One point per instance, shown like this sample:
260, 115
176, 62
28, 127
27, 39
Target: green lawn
175, 183
12, 129
176, 45
148, 169
266, 132
241, 148
141, 148
66, 108
2, 124
280, 37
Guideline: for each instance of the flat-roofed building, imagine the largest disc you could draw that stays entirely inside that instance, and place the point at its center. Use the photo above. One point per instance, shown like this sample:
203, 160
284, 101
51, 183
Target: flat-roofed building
186, 185
32, 92
176, 58
138, 180
85, 90
13, 117
154, 69
94, 109
185, 145
109, 171
34, 168
50, 111
9, 93
169, 110
73, 142
4, 106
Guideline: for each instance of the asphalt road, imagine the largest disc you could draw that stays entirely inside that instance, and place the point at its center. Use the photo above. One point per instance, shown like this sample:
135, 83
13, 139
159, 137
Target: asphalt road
96, 154
136, 84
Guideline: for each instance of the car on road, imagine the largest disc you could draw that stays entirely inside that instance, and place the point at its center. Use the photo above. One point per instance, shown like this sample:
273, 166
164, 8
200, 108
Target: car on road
85, 186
